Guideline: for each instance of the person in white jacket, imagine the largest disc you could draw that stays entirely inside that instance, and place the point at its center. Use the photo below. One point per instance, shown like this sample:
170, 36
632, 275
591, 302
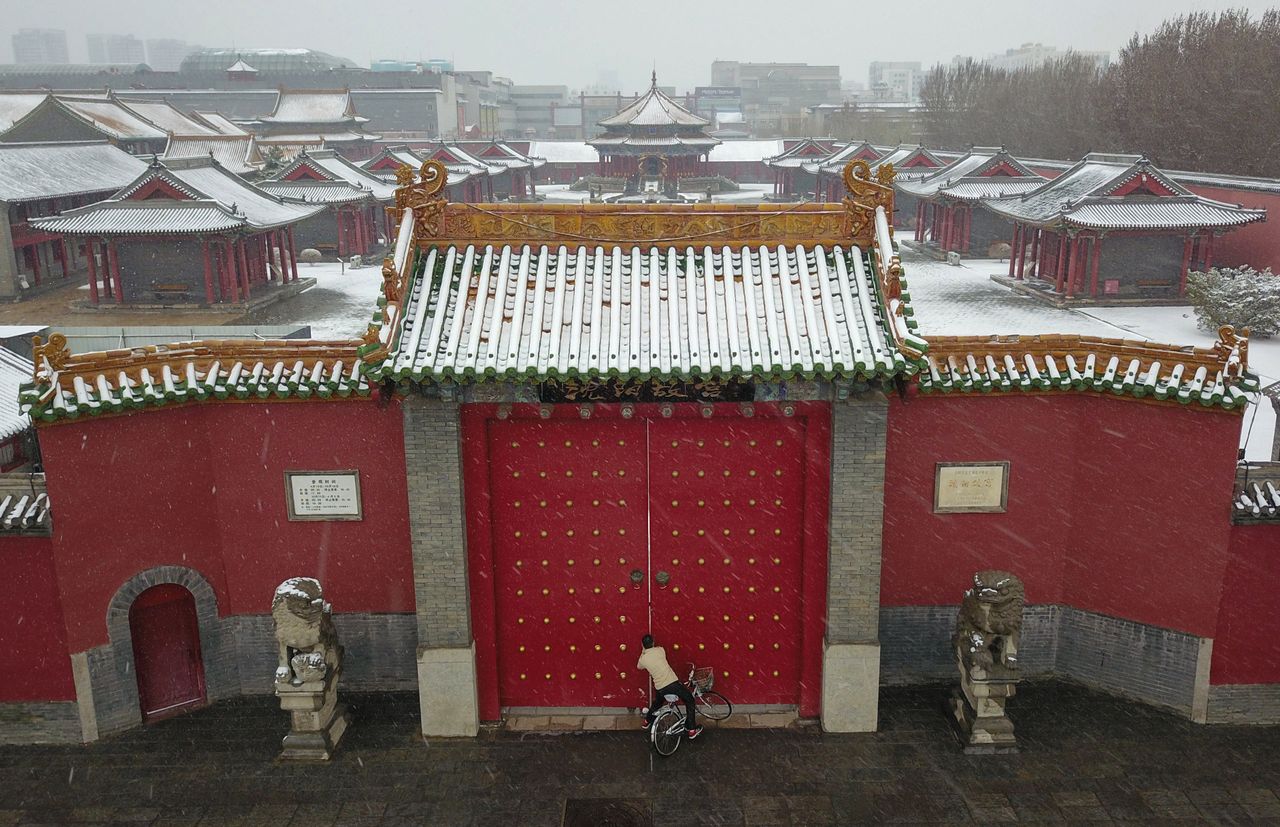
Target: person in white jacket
653, 659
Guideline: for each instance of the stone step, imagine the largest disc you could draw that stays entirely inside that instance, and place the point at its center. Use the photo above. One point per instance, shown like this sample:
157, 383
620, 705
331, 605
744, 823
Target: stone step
560, 722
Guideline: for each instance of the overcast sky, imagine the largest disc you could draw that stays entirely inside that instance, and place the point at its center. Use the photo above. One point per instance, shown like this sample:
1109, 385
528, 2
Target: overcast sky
579, 43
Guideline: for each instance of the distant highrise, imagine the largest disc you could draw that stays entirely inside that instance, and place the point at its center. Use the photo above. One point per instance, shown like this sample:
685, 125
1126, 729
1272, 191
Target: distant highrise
40, 46
895, 80
166, 55
115, 48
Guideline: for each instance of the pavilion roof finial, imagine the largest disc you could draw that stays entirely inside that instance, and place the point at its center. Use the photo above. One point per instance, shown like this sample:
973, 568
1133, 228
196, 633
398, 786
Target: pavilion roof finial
654, 79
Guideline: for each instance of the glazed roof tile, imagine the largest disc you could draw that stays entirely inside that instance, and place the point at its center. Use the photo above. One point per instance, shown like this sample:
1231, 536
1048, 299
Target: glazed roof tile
654, 108
336, 168
517, 312
91, 384
972, 164
14, 372
237, 153
318, 192
151, 217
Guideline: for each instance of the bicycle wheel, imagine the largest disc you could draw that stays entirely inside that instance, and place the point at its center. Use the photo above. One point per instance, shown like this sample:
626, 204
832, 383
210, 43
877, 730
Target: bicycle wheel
668, 729
714, 706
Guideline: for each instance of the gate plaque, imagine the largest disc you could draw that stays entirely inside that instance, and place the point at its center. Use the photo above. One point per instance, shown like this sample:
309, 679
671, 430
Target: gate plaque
971, 487
323, 495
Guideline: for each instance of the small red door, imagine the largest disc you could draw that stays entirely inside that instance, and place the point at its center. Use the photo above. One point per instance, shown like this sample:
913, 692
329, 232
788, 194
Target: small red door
166, 651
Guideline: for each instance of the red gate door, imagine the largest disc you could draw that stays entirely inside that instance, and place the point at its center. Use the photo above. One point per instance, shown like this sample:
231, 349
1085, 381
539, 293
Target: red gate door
166, 651
569, 526
727, 511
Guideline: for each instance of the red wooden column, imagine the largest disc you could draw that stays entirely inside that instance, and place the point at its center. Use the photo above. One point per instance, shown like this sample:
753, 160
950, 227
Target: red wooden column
35, 262
93, 274
1074, 272
243, 255
1013, 250
113, 262
208, 271
945, 242
293, 257
1036, 251
1060, 272
968, 228
342, 235
1186, 265
1208, 251
1093, 265
63, 248
233, 269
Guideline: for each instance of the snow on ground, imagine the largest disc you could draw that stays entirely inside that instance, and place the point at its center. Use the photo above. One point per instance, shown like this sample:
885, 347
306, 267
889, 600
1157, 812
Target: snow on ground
964, 301
339, 306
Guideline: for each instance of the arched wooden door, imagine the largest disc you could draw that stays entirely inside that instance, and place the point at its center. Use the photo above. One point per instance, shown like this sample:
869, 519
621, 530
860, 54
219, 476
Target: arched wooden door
166, 651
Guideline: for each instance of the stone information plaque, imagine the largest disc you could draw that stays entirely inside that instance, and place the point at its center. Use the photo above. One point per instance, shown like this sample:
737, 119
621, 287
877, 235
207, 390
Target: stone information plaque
971, 487
323, 495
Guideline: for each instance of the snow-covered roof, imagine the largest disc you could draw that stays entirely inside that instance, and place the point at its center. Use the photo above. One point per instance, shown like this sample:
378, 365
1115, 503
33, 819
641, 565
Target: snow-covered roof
242, 67
331, 166
1257, 493
1209, 377
238, 153
1000, 186
24, 504
111, 117
168, 118
30, 172
746, 151
221, 123
515, 311
565, 152
978, 162
654, 108
836, 161
15, 371
1119, 192
910, 160
804, 151
307, 106
152, 375
318, 192
15, 105
216, 200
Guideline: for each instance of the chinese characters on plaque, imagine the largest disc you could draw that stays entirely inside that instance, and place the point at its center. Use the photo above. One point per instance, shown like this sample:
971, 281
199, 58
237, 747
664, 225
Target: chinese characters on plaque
323, 495
970, 487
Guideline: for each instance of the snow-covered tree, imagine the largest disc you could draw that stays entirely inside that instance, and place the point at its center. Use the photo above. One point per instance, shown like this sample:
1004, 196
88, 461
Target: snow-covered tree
1241, 297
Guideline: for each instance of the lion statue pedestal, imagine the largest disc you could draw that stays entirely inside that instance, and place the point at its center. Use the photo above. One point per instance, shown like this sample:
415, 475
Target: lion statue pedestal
988, 628
310, 664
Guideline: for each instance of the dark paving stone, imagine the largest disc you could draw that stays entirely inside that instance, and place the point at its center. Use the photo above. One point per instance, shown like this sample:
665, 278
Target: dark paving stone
1084, 756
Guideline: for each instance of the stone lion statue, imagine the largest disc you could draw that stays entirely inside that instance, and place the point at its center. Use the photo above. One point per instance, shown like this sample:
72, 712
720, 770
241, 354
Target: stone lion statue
304, 631
990, 620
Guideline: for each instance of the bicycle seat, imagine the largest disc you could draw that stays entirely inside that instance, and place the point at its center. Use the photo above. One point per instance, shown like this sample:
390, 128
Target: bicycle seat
671, 698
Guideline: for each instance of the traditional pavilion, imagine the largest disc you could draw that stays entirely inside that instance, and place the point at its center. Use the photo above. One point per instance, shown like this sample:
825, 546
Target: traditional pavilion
356, 199
1155, 230
467, 180
791, 168
518, 184
315, 119
236, 153
947, 200
186, 231
43, 179
475, 176
88, 118
655, 138
909, 161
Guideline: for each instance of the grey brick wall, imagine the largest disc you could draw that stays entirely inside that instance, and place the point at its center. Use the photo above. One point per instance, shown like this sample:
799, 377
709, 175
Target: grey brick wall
1147, 663
857, 517
1244, 704
379, 651
915, 643
437, 531
40, 723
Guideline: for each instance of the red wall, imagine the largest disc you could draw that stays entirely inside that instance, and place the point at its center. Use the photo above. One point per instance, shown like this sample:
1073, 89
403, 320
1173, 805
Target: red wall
1115, 506
202, 486
34, 665
1247, 646
1257, 244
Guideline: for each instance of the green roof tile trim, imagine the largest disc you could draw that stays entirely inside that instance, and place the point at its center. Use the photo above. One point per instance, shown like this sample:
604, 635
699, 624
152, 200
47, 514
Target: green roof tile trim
971, 365
99, 383
778, 313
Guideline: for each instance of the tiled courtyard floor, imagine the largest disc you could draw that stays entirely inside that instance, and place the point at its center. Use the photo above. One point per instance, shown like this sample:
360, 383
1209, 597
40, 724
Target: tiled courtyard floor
1085, 757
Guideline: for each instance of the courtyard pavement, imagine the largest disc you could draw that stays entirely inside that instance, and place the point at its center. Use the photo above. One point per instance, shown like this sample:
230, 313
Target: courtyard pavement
1085, 757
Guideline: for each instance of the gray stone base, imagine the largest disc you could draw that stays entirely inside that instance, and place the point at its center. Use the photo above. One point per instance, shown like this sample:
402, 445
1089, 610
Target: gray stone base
40, 723
1244, 703
980, 735
850, 687
447, 692
1158, 666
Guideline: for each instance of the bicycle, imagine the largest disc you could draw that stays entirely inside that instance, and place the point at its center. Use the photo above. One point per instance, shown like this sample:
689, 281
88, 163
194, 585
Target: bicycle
669, 725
